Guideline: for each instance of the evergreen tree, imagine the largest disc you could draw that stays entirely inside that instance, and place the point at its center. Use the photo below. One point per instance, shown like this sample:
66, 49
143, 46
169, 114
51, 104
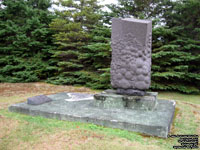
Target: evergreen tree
175, 46
185, 18
141, 9
25, 40
176, 49
74, 29
98, 58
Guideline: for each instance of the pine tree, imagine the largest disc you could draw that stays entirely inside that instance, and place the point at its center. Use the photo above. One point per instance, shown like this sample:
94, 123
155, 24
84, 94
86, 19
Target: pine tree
25, 40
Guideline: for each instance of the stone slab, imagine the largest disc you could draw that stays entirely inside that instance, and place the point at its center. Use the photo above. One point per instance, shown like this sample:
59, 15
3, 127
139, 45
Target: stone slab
131, 42
38, 100
71, 96
155, 123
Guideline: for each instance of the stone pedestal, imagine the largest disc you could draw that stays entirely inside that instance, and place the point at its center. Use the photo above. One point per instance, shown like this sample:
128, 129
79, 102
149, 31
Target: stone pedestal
109, 99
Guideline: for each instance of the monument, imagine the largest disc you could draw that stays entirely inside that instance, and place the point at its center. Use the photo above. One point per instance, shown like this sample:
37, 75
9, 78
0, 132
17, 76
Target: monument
128, 105
131, 55
131, 65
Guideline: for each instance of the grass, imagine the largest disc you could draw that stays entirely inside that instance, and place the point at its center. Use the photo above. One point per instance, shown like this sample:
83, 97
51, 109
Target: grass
18, 131
195, 99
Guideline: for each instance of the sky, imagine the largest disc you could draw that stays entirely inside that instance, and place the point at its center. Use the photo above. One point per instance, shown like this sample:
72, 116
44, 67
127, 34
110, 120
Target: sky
108, 1
103, 2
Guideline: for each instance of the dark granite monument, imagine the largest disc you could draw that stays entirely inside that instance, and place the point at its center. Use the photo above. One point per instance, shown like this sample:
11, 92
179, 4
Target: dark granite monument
129, 106
131, 65
131, 54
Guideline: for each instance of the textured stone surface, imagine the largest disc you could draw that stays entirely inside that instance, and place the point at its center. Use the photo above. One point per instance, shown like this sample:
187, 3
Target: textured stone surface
131, 53
38, 100
112, 100
130, 92
156, 122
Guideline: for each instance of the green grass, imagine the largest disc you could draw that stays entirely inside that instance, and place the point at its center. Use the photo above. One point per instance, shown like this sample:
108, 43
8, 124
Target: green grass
195, 99
20, 131
43, 126
49, 124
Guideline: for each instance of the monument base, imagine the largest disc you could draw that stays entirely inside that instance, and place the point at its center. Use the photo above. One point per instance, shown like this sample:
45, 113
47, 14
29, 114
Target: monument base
82, 108
110, 99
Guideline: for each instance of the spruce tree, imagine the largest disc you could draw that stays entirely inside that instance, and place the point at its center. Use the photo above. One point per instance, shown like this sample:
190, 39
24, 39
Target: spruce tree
74, 27
175, 57
25, 40
98, 58
141, 9
176, 49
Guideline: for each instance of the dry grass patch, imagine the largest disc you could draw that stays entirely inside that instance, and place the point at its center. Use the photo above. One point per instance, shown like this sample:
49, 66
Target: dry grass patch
196, 113
18, 135
21, 89
88, 140
7, 126
114, 144
7, 101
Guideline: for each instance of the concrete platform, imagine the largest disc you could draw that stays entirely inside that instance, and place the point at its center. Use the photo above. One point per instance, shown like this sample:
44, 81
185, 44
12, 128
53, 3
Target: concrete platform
81, 107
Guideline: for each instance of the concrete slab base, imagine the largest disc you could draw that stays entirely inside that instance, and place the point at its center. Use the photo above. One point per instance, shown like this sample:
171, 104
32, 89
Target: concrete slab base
81, 107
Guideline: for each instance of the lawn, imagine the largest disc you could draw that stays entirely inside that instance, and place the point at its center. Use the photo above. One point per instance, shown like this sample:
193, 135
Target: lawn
22, 132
